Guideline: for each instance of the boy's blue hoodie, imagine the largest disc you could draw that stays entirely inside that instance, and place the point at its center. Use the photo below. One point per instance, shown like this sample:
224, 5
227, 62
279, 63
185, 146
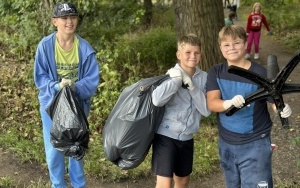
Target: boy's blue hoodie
45, 75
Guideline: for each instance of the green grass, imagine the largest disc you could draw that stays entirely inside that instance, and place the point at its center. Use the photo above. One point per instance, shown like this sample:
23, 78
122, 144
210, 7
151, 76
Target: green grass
8, 181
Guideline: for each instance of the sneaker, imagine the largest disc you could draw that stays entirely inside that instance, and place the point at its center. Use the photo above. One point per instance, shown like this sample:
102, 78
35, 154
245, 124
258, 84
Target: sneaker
256, 56
247, 56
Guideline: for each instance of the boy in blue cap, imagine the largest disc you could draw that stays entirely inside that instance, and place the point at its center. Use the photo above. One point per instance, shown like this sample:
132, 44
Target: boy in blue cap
64, 58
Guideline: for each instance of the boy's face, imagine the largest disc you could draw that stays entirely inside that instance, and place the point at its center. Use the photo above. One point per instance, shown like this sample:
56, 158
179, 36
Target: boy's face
66, 24
233, 48
188, 56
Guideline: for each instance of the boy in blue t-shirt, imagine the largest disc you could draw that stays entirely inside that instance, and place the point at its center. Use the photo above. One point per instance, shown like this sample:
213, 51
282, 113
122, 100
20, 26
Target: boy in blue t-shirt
244, 138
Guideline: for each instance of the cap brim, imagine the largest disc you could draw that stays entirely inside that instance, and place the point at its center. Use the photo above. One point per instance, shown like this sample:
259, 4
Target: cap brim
65, 15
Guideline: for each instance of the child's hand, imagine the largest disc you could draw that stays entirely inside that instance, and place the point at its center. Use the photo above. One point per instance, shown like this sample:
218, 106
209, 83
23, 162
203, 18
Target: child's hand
286, 111
237, 101
64, 82
188, 81
175, 73
270, 33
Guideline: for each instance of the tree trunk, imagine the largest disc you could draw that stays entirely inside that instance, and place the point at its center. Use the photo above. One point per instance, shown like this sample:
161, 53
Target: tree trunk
148, 12
205, 18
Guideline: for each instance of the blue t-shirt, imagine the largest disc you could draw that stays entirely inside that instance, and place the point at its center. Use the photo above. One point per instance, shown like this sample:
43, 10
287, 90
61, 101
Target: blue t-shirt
249, 123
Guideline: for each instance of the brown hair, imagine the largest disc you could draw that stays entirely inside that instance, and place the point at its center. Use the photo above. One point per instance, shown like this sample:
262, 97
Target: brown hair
190, 38
234, 31
231, 15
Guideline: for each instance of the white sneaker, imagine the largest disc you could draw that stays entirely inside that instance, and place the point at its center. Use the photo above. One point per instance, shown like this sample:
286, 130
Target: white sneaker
247, 56
256, 56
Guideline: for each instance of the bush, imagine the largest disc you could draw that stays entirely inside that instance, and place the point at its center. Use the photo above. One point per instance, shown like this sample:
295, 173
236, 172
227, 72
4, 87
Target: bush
146, 54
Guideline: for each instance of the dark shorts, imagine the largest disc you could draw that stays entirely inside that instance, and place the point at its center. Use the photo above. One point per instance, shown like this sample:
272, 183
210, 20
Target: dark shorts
170, 156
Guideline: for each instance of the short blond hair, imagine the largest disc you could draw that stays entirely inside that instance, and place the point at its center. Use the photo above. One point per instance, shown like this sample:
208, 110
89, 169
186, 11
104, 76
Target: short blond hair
234, 31
190, 38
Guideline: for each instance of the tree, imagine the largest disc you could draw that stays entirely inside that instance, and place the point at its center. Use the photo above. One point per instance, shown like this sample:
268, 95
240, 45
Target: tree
148, 12
204, 18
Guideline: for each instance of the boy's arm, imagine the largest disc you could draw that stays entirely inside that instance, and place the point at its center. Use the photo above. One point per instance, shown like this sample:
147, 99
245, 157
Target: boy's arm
165, 91
200, 102
214, 101
87, 85
197, 95
216, 104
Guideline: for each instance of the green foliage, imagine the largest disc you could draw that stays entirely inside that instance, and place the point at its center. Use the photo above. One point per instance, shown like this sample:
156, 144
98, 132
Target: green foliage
163, 15
20, 116
21, 28
146, 53
111, 19
6, 182
24, 23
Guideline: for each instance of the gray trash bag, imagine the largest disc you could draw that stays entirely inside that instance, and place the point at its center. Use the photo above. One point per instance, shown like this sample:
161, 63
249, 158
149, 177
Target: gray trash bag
132, 123
70, 128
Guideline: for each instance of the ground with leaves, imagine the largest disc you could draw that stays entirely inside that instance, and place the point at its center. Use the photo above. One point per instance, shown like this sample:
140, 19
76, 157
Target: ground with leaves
285, 157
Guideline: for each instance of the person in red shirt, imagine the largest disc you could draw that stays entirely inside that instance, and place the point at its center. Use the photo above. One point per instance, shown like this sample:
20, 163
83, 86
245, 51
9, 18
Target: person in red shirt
253, 29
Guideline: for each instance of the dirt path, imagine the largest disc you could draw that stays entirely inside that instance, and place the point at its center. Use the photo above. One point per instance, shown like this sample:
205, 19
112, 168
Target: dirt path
285, 157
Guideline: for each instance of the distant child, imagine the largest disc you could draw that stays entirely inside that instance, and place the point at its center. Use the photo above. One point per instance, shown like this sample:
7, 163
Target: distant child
230, 18
226, 1
234, 6
253, 29
245, 149
183, 96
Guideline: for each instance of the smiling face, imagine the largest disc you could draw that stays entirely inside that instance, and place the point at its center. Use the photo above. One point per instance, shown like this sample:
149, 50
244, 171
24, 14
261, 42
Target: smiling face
232, 41
66, 24
233, 49
188, 56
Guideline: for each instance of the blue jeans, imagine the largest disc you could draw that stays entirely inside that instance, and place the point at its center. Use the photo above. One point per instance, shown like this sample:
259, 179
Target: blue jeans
56, 160
247, 165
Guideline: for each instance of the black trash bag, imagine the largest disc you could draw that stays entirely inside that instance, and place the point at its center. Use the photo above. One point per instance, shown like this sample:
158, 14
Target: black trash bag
132, 123
70, 128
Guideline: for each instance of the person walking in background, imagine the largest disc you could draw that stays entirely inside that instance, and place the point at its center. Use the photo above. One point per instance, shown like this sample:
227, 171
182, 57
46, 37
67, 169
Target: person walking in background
245, 149
253, 29
234, 6
64, 58
226, 2
229, 20
183, 96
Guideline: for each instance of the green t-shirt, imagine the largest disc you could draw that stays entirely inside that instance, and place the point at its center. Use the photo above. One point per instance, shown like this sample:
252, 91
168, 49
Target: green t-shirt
67, 61
228, 22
